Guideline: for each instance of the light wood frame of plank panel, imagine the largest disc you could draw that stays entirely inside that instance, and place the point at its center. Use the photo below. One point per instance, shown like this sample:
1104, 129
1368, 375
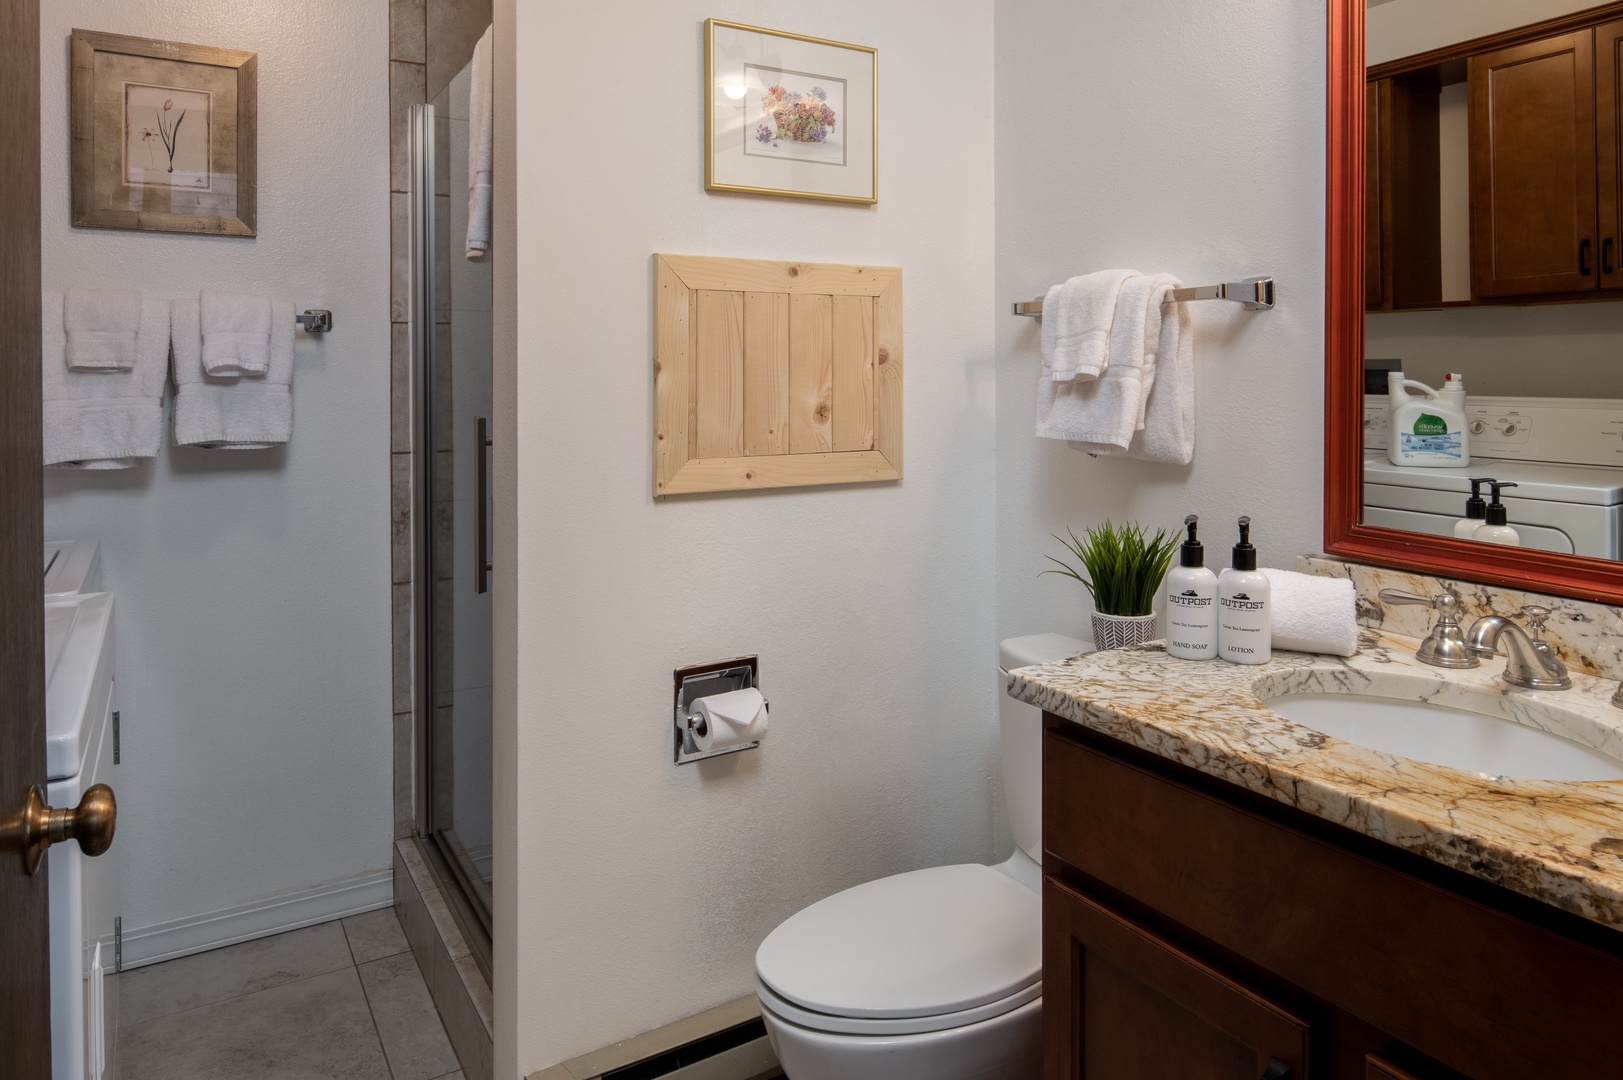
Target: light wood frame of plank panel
718, 440
85, 44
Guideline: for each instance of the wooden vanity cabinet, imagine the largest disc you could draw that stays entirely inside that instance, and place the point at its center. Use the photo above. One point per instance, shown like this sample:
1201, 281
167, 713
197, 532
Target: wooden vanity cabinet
1193, 929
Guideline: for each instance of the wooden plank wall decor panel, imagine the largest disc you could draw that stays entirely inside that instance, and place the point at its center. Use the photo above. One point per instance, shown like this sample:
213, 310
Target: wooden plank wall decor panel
766, 373
775, 374
811, 373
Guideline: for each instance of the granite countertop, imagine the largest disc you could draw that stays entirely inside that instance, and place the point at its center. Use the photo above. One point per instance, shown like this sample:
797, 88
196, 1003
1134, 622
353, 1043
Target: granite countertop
1556, 841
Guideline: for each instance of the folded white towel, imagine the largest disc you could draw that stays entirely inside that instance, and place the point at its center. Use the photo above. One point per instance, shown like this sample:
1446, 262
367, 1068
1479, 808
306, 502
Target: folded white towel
1101, 417
227, 412
101, 326
103, 419
480, 97
236, 333
1076, 324
1313, 614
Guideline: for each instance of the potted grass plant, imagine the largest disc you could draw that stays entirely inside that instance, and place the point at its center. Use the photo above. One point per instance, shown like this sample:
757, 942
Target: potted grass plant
1122, 567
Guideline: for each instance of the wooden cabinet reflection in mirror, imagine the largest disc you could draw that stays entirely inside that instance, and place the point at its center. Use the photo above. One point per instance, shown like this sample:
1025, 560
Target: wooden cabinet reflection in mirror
1475, 226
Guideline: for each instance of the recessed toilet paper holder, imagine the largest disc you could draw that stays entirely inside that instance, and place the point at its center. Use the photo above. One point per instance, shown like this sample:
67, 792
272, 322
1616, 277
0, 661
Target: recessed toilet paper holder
703, 680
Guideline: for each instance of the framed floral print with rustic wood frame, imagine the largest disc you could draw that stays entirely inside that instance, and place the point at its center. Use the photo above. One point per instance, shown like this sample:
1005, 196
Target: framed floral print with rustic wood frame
787, 114
164, 135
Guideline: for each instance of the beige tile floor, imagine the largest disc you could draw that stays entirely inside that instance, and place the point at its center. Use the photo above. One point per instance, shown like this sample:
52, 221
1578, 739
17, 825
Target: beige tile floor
338, 1001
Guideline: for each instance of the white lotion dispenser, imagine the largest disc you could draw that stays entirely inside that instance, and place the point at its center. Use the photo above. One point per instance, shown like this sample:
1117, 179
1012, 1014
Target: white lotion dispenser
1244, 623
1191, 601
1428, 430
1496, 527
1476, 510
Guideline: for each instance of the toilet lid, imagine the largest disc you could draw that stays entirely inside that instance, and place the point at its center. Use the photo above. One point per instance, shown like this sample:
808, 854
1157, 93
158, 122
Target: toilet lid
932, 941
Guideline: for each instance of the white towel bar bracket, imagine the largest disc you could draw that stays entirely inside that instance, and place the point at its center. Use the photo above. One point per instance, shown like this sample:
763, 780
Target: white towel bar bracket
314, 320
1253, 294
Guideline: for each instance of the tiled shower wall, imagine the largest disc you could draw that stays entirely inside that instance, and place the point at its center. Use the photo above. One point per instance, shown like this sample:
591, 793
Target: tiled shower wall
429, 42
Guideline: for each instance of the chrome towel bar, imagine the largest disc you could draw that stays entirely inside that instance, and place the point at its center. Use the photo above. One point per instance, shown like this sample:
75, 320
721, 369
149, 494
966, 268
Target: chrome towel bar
1253, 294
314, 320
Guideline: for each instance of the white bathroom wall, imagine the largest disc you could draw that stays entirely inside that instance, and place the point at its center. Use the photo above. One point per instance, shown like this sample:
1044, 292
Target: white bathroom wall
1177, 136
252, 614
642, 888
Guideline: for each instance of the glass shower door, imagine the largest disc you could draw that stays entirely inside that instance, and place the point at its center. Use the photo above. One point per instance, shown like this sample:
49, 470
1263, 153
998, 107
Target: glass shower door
452, 344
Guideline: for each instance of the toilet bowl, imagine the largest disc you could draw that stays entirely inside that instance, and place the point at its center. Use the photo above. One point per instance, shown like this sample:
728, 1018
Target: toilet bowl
934, 974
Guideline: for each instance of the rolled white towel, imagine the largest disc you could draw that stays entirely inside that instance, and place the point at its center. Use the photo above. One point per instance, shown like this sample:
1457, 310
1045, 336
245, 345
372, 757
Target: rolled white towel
101, 326
236, 333
1313, 614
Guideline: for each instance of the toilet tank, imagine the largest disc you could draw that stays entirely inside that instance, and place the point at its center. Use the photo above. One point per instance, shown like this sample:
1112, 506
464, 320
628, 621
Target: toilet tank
1022, 735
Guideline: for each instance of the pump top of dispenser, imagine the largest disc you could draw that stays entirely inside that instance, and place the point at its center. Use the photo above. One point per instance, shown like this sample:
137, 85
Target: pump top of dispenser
1193, 552
1475, 506
1245, 555
1496, 509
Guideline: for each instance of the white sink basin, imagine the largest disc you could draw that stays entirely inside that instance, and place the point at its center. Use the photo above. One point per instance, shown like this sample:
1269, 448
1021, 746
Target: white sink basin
1470, 741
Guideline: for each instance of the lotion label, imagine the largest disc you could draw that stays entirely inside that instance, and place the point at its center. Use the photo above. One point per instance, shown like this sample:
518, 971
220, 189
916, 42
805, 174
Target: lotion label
1245, 629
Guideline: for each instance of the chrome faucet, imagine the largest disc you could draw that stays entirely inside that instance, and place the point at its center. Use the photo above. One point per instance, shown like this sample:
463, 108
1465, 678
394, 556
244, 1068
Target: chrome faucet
1529, 660
1445, 646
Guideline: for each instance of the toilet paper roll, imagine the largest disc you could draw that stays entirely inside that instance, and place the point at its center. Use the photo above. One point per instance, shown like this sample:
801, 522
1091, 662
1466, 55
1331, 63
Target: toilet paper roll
729, 719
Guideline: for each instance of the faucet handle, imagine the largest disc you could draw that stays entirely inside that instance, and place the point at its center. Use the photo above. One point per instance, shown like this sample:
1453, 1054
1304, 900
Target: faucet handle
1535, 615
1445, 603
1445, 645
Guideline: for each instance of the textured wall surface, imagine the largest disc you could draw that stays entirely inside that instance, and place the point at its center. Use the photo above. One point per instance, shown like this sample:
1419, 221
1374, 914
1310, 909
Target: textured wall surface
253, 627
642, 888
1144, 178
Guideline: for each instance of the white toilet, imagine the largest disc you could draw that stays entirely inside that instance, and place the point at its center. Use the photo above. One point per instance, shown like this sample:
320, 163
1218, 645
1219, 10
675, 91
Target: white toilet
929, 975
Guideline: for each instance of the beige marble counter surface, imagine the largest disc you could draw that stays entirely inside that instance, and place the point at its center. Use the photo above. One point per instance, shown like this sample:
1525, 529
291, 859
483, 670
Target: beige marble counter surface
1559, 842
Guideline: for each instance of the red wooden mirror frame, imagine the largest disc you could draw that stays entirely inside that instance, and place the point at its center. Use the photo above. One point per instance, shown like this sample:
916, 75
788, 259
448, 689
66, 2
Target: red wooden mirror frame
1344, 535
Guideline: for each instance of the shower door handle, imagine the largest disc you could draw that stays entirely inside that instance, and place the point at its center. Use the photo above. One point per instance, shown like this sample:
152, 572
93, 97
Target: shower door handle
481, 503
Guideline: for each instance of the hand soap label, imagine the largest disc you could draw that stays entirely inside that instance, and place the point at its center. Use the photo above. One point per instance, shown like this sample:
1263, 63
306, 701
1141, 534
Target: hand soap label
1191, 624
1430, 435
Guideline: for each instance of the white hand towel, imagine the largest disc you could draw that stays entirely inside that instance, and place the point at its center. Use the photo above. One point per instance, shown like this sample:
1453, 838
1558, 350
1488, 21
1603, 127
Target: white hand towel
101, 326
1313, 614
1108, 411
480, 97
236, 333
226, 412
103, 419
1076, 324
1168, 430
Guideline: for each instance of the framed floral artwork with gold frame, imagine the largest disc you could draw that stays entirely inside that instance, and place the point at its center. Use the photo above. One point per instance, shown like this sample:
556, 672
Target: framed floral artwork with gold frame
163, 135
787, 114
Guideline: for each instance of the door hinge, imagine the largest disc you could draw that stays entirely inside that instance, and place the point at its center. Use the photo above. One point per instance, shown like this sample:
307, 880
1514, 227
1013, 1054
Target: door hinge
115, 737
118, 942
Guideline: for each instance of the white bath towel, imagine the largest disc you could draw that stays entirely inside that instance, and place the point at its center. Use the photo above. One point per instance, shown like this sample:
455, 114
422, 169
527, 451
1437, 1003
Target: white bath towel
101, 326
230, 412
480, 100
1076, 324
1313, 614
236, 333
1102, 416
103, 419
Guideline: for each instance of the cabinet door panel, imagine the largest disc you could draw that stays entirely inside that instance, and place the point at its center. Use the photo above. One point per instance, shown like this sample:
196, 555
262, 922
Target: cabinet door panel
1377, 175
1533, 191
1120, 1001
1376, 1069
1609, 146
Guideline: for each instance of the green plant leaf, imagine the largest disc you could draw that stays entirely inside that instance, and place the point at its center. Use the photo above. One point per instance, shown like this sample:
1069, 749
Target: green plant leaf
1121, 566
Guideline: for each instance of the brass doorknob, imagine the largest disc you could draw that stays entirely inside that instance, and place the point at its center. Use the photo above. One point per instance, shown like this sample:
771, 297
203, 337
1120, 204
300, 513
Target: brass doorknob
37, 826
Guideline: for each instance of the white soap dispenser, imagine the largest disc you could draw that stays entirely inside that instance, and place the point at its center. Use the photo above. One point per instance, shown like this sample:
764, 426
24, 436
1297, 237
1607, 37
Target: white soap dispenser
1497, 529
1191, 602
1476, 510
1245, 629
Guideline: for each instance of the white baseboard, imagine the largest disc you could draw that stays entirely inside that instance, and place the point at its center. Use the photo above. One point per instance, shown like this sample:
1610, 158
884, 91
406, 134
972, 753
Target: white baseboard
290, 911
